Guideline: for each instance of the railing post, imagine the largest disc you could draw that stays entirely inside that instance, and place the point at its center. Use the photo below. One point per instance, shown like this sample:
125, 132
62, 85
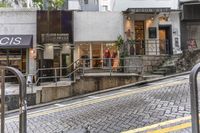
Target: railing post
55, 76
194, 98
84, 66
22, 98
156, 47
110, 66
2, 100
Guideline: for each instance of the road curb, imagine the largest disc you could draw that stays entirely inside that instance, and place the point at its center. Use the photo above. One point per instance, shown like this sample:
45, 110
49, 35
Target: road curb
99, 92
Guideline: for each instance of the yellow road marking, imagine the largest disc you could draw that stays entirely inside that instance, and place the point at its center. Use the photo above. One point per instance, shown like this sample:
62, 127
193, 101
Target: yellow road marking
174, 128
92, 101
158, 125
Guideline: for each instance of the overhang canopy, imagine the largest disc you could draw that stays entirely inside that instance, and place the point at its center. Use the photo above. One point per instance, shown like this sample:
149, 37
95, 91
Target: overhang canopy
16, 41
148, 10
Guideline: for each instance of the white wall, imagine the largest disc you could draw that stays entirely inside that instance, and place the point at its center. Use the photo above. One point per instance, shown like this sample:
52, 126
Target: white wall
122, 5
20, 21
74, 5
97, 26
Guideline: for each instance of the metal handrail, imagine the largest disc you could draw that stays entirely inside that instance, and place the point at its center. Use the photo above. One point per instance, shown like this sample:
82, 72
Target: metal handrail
22, 98
82, 66
194, 98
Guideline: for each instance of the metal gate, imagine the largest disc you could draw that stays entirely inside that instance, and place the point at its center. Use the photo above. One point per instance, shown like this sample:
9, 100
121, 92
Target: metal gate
22, 98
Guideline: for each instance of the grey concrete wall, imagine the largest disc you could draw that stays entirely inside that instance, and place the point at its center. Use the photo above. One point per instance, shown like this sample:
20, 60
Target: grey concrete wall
12, 101
82, 86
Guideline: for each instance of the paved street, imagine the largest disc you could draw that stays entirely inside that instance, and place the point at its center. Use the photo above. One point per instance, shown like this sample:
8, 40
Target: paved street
113, 112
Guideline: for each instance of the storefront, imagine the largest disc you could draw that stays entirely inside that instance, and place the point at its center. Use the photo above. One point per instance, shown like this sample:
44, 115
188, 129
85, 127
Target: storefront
96, 54
14, 51
18, 39
55, 39
95, 34
152, 31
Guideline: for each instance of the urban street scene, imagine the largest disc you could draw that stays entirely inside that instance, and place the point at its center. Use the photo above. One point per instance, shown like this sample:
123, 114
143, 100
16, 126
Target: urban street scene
99, 66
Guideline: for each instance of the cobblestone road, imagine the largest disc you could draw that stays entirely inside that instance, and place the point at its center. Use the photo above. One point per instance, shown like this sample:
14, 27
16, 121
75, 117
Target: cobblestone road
114, 112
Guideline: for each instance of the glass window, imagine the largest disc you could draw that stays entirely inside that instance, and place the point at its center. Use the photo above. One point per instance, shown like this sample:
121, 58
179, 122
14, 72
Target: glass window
84, 53
14, 58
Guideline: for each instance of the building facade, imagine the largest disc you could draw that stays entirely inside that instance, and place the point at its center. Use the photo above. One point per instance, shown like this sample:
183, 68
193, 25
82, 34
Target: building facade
54, 39
83, 5
18, 39
152, 27
95, 34
190, 24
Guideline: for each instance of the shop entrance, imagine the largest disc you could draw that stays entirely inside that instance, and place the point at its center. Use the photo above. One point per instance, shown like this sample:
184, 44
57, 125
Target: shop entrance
96, 56
165, 42
66, 61
139, 38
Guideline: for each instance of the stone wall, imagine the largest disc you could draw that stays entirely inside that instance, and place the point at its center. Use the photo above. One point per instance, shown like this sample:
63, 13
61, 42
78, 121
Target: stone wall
82, 86
187, 61
144, 63
12, 101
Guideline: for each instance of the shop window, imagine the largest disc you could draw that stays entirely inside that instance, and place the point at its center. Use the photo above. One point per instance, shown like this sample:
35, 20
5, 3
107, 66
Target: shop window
14, 58
109, 51
84, 53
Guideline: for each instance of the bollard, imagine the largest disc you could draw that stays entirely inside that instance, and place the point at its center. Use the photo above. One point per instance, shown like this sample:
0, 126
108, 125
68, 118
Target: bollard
22, 98
194, 98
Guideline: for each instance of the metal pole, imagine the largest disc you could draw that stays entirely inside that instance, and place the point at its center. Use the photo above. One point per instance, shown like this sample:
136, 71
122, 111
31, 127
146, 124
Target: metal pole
22, 98
194, 98
156, 48
55, 75
2, 100
23, 104
110, 65
84, 66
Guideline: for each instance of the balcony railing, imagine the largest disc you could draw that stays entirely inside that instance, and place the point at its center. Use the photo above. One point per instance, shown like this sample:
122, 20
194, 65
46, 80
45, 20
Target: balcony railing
147, 47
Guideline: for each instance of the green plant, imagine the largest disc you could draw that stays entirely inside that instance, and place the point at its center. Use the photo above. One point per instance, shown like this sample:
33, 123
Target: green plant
52, 4
4, 4
119, 42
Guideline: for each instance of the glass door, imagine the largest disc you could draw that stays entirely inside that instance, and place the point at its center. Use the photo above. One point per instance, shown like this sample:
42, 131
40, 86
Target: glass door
96, 56
139, 37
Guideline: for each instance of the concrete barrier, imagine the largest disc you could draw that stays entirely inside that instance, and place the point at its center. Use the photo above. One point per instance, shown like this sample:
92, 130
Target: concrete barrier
85, 84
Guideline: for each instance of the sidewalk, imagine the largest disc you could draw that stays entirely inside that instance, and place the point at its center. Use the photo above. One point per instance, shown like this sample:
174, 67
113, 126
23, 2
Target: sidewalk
13, 88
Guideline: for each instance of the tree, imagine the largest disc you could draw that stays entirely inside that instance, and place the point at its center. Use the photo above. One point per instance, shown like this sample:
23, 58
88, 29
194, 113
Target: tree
52, 4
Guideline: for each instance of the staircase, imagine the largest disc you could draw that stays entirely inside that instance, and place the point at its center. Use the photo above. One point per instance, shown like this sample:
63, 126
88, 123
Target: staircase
168, 67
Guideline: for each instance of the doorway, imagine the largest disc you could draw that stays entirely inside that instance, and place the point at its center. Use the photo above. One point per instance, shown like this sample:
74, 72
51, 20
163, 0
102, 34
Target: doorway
66, 61
165, 39
96, 55
139, 38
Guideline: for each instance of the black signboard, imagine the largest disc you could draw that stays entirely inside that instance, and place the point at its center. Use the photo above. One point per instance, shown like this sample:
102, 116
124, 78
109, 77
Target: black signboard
16, 41
152, 32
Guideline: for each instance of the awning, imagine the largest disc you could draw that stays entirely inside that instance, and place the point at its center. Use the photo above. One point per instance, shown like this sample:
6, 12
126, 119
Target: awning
16, 41
148, 10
